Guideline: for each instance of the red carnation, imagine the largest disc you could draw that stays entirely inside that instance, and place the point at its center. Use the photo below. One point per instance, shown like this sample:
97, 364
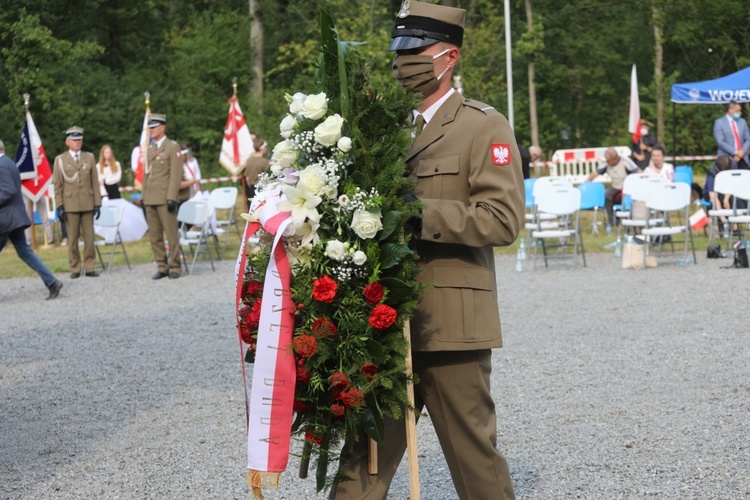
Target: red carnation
324, 289
252, 314
323, 327
303, 374
305, 345
309, 436
368, 370
339, 380
352, 397
337, 411
246, 333
382, 317
300, 405
373, 293
252, 288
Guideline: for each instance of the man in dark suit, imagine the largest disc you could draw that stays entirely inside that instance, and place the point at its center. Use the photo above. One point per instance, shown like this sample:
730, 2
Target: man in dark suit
161, 193
13, 221
468, 170
733, 136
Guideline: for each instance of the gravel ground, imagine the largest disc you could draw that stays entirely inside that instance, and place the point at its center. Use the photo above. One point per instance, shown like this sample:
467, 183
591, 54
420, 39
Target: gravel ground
612, 384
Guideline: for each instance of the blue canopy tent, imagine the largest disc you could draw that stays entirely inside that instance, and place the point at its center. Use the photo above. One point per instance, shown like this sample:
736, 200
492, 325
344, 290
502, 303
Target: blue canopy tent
734, 87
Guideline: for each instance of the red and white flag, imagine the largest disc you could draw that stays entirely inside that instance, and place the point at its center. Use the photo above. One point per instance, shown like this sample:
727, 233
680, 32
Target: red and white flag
136, 158
237, 145
634, 120
32, 162
698, 220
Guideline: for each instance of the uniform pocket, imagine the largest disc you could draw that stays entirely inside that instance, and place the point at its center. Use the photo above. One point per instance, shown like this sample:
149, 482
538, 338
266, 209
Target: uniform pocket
436, 178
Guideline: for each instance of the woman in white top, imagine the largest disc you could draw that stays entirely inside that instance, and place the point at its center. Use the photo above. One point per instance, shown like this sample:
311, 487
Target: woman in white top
110, 173
657, 166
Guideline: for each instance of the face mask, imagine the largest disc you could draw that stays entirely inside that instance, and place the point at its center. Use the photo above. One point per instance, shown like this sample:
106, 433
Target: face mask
416, 73
644, 131
736, 116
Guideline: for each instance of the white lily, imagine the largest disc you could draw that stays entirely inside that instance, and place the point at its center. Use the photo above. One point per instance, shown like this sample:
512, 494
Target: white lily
301, 203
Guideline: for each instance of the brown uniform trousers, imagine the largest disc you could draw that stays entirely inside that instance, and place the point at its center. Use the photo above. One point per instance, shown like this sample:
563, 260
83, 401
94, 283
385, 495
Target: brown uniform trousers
161, 182
77, 192
468, 172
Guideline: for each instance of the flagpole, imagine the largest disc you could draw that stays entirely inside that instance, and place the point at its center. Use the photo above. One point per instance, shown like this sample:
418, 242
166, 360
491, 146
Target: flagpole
26, 98
241, 175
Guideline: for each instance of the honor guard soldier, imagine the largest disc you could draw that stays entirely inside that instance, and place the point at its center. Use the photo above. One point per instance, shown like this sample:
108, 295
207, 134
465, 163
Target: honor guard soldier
78, 200
161, 186
468, 172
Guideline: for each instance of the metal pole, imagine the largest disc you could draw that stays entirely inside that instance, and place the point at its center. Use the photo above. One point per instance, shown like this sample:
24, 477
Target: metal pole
508, 63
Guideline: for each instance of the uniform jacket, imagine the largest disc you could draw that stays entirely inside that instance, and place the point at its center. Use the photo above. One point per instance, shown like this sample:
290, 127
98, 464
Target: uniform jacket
468, 171
77, 182
161, 180
725, 137
12, 207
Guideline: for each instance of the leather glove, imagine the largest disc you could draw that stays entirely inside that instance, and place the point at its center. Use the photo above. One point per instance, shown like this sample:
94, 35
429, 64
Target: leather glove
171, 206
61, 214
97, 212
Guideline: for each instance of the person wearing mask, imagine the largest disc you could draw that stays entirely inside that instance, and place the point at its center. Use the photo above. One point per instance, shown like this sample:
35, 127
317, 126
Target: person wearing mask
13, 221
641, 151
110, 173
78, 201
733, 136
468, 173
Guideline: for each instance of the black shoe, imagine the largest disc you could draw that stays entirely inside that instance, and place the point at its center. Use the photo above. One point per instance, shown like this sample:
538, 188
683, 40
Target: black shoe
75, 275
92, 274
54, 290
173, 275
159, 275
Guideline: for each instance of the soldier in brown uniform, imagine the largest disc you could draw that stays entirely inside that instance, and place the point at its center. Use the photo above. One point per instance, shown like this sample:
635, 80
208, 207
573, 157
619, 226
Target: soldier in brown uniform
78, 200
469, 176
161, 186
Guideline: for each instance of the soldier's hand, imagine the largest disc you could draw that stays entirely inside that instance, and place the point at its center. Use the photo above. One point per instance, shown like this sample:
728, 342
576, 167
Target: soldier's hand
61, 214
97, 212
171, 206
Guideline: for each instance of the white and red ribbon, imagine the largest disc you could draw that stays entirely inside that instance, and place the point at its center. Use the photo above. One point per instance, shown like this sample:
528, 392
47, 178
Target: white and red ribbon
271, 400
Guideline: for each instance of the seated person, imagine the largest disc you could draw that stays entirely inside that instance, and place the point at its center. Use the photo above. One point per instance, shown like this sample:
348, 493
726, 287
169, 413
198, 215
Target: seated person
718, 200
641, 151
658, 166
618, 167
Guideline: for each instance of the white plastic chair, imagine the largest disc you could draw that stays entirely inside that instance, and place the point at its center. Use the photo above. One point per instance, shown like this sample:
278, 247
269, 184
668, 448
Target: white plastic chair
666, 198
537, 217
111, 216
195, 212
725, 183
740, 189
637, 186
564, 203
225, 198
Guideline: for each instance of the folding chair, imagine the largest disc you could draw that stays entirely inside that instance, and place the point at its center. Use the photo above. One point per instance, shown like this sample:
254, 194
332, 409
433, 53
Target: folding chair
637, 187
226, 199
666, 198
592, 198
195, 212
111, 216
563, 202
741, 189
725, 183
528, 186
684, 173
548, 221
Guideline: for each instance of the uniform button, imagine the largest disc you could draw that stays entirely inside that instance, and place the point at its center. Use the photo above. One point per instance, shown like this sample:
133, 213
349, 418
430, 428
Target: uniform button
436, 235
437, 169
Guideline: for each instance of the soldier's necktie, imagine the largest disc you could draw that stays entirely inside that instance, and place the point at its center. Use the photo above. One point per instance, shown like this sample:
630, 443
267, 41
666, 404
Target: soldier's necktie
418, 125
76, 157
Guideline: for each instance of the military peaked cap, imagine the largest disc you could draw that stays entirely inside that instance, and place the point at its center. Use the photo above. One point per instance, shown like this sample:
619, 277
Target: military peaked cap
155, 120
74, 133
420, 24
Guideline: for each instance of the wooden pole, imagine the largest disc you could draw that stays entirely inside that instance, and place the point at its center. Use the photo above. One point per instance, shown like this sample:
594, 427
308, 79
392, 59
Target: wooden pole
372, 457
411, 423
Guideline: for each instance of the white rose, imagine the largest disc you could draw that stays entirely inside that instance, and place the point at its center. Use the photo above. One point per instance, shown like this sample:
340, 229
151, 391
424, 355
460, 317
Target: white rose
314, 178
335, 250
366, 224
345, 144
359, 257
288, 124
284, 154
328, 132
315, 106
296, 103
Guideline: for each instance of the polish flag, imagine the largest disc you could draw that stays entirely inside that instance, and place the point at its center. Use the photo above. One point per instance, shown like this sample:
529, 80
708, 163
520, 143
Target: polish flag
634, 120
698, 220
136, 158
32, 162
237, 145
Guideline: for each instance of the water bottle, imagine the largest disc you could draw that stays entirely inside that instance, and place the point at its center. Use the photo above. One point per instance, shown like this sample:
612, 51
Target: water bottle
519, 260
522, 249
726, 230
618, 248
609, 229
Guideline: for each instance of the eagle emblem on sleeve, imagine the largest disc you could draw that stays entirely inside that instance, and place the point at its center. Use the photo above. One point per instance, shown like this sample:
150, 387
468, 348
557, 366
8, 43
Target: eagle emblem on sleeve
500, 154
